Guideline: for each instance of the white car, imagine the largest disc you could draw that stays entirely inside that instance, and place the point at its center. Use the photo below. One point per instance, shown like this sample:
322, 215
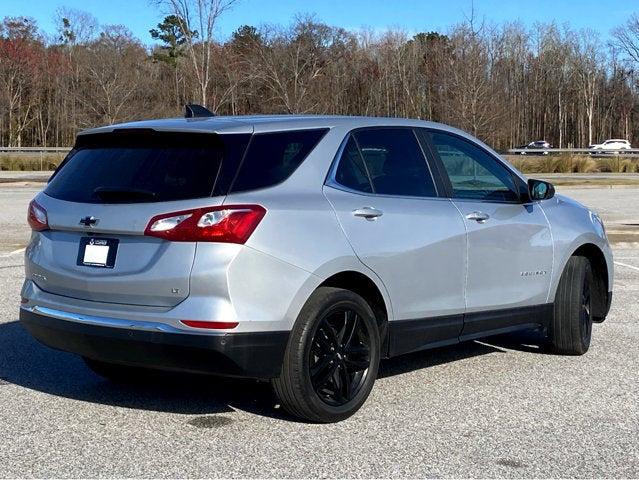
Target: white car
614, 144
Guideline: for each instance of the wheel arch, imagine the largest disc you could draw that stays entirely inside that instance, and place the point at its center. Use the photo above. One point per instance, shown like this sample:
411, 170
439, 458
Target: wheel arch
366, 288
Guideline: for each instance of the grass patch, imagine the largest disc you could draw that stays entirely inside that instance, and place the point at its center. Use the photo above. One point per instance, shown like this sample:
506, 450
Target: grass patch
567, 163
30, 162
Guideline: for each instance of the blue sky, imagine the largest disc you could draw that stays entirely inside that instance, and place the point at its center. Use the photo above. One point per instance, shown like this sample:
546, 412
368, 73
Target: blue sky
410, 15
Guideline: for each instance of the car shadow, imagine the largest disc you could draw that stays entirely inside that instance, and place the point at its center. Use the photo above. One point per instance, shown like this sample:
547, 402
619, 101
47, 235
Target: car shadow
27, 363
529, 341
433, 357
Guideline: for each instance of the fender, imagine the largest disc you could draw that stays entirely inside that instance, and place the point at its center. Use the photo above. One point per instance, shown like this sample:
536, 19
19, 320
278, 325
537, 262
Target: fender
329, 269
573, 226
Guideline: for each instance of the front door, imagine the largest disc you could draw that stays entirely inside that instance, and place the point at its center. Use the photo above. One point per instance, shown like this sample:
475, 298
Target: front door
510, 250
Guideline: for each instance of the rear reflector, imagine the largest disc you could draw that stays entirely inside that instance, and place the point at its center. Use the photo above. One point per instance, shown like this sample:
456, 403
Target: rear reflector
209, 325
229, 224
37, 217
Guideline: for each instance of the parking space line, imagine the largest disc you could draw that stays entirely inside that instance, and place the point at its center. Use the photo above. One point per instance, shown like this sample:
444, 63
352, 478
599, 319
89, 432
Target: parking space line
627, 266
14, 252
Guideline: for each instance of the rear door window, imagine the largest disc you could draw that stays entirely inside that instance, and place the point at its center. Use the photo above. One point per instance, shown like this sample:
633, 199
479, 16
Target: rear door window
351, 171
273, 157
395, 162
147, 167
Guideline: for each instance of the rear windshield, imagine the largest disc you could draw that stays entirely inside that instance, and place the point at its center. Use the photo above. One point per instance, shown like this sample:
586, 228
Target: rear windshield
149, 166
145, 167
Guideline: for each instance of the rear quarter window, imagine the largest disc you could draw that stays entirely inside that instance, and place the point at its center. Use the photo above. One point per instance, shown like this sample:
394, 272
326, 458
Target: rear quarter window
273, 157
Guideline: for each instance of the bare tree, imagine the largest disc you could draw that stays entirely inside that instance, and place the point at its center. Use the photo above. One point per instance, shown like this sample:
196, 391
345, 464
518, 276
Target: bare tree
21, 54
111, 76
291, 62
626, 38
75, 26
198, 19
588, 73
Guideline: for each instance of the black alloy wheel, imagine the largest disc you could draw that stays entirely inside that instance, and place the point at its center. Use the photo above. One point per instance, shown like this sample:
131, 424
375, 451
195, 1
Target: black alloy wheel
332, 357
340, 356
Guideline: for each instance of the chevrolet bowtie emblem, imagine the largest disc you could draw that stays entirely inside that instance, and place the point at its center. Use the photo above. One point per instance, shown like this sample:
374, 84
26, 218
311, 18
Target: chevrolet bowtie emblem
89, 221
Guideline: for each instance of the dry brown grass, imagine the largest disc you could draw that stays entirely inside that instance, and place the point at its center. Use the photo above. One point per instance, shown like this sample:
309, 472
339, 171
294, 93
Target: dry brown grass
620, 165
566, 163
30, 163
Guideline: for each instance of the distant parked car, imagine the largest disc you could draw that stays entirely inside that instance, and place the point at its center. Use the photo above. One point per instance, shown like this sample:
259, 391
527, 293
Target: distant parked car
536, 145
612, 145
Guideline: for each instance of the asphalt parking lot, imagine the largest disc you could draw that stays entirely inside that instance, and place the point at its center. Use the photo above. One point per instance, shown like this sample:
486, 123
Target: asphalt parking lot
495, 408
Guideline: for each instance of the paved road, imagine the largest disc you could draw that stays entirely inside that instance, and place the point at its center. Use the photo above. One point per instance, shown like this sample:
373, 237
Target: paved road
12, 176
589, 176
494, 408
14, 232
615, 205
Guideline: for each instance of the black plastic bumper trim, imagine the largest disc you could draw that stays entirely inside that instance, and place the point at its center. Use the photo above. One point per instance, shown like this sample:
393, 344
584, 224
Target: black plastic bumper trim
250, 355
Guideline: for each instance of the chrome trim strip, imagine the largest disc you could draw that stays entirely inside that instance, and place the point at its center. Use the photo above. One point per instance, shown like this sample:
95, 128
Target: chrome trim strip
111, 322
337, 186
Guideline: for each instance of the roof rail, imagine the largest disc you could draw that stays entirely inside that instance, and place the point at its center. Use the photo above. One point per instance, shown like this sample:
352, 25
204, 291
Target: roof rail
193, 110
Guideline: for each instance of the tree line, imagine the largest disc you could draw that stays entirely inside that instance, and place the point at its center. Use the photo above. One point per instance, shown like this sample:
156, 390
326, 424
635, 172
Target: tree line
507, 84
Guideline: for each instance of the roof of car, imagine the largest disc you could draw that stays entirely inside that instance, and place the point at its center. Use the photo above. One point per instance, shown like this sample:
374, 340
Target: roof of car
273, 123
262, 123
617, 140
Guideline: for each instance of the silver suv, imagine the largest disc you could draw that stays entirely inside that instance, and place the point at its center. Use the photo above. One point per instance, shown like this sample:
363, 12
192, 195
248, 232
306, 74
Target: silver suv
301, 250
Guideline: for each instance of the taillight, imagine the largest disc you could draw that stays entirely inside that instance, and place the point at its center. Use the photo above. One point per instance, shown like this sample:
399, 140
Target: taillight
37, 217
229, 224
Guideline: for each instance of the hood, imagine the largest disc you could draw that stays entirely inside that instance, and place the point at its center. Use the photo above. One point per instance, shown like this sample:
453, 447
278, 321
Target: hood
570, 201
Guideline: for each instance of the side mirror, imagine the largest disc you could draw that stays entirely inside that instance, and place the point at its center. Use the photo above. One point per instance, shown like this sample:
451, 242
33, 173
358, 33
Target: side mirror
540, 190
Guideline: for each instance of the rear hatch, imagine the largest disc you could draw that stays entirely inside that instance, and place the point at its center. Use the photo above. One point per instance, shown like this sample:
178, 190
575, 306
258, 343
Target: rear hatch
101, 200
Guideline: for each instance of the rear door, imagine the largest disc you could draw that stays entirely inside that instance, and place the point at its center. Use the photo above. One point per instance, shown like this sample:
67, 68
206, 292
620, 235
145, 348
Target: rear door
101, 200
387, 204
510, 251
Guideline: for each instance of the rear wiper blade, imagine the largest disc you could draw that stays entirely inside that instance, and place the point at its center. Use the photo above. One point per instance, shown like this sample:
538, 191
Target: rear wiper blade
120, 194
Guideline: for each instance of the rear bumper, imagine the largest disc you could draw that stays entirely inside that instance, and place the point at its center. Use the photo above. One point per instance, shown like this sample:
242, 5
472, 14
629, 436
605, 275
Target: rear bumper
251, 355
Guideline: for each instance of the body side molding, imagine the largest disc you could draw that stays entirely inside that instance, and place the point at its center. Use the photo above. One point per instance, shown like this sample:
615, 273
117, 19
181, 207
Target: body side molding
406, 336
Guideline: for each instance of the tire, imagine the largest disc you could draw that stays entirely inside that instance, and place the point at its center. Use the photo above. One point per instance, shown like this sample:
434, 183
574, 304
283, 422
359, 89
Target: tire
570, 330
117, 373
329, 371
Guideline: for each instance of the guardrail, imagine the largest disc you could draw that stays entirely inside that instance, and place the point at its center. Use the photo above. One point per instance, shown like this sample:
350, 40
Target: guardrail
630, 152
35, 149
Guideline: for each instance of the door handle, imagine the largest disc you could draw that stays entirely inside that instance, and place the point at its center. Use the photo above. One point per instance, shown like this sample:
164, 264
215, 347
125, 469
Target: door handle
369, 213
479, 217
